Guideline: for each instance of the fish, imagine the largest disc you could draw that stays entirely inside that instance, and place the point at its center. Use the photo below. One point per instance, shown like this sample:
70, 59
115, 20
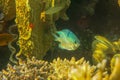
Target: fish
67, 39
5, 38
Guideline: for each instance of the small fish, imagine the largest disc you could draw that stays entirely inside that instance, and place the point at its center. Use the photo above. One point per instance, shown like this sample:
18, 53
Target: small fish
67, 39
5, 38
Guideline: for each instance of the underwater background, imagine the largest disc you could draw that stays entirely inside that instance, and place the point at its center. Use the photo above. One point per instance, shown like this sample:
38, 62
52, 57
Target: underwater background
59, 39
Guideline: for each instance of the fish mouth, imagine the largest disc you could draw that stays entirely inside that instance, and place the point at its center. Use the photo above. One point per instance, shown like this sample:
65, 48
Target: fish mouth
74, 47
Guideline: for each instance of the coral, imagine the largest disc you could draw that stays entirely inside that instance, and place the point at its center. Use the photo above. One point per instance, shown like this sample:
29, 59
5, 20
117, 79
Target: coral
117, 45
23, 23
33, 69
71, 70
113, 63
116, 69
35, 20
119, 2
103, 49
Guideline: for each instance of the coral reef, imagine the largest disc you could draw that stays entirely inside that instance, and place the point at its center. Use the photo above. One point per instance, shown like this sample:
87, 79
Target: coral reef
35, 21
33, 69
67, 70
104, 49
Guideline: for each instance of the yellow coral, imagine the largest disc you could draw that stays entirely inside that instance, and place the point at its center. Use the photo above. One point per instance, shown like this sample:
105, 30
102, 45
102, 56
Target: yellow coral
59, 69
98, 56
117, 45
23, 22
112, 63
81, 72
42, 16
104, 41
116, 70
102, 49
119, 2
53, 3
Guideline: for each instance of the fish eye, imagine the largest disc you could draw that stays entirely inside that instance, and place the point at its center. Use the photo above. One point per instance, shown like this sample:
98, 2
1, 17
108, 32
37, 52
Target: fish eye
58, 35
75, 42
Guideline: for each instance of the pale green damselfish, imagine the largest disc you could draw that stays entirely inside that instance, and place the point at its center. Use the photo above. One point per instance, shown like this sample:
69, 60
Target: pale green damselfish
68, 40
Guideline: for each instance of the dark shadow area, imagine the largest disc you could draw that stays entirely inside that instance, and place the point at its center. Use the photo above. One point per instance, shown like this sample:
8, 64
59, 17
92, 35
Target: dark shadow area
4, 58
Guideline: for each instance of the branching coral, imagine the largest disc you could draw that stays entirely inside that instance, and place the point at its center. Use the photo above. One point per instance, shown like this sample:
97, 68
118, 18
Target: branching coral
77, 70
33, 69
67, 70
61, 67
